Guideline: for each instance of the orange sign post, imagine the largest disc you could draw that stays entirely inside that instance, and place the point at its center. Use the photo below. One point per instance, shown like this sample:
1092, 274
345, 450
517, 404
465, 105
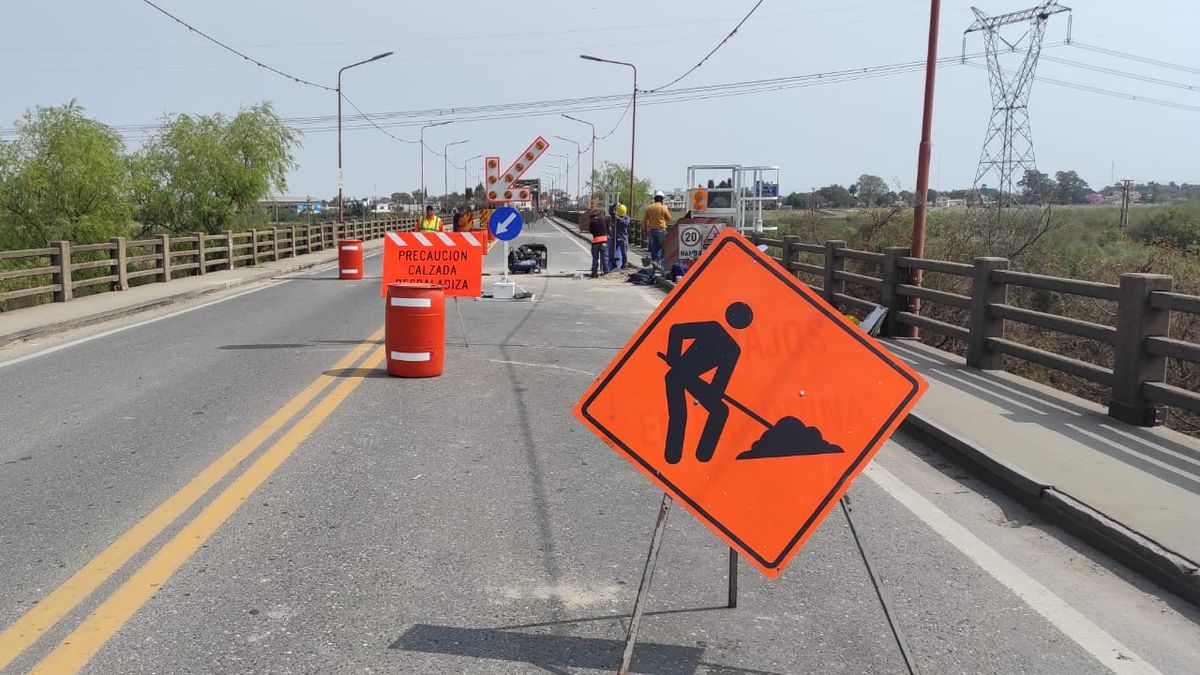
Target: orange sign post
751, 401
452, 260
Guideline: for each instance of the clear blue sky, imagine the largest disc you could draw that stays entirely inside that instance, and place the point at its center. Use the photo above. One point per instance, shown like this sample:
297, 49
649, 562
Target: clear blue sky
128, 64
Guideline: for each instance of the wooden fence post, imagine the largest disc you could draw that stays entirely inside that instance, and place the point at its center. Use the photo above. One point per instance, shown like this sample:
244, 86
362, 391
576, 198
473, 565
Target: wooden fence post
61, 259
163, 250
292, 244
833, 263
985, 292
120, 260
1133, 365
789, 251
253, 248
890, 297
229, 247
274, 244
201, 267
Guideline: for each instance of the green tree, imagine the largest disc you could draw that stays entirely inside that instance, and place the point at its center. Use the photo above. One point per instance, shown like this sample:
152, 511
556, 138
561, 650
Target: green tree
1037, 187
1071, 188
871, 189
797, 200
613, 177
205, 172
63, 177
836, 196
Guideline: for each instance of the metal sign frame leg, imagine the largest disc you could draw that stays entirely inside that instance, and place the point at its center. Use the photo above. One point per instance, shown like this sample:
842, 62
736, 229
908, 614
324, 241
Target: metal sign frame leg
898, 634
639, 604
733, 579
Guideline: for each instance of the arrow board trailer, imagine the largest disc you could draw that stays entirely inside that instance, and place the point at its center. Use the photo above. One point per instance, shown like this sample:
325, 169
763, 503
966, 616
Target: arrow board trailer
734, 192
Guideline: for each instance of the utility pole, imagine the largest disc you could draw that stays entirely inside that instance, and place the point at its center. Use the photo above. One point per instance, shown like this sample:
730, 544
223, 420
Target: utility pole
1126, 189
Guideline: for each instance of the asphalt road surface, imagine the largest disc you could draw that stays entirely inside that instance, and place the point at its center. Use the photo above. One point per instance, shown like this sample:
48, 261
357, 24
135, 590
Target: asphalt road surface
235, 487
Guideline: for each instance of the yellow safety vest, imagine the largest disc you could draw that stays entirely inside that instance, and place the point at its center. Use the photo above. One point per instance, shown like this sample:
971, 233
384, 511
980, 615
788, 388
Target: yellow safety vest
431, 224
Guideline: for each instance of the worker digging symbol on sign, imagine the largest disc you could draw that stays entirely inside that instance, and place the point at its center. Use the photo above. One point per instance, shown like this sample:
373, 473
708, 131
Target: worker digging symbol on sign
714, 350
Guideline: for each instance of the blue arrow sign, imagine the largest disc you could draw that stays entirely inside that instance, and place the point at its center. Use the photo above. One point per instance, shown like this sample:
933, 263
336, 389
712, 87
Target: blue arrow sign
506, 223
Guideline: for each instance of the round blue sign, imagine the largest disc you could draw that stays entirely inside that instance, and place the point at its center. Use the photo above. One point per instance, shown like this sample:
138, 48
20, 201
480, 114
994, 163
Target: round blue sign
505, 223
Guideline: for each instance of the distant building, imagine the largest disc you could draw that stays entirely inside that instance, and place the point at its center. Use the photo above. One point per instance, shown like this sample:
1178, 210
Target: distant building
947, 203
1095, 198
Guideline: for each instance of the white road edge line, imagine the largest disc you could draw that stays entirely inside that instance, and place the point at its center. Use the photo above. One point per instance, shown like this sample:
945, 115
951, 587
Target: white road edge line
1091, 638
122, 329
323, 267
559, 229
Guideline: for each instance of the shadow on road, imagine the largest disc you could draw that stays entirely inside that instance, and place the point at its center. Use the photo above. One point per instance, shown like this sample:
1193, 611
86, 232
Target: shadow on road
367, 373
553, 653
311, 278
286, 345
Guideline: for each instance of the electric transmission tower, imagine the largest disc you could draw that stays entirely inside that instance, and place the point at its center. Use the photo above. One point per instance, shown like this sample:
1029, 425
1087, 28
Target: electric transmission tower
1008, 146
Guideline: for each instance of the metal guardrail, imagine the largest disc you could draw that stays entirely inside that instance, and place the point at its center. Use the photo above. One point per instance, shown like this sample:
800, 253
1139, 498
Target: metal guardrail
63, 268
1139, 340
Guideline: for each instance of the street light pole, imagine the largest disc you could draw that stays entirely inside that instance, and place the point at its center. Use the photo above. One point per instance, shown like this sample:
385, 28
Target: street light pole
446, 168
424, 199
592, 176
633, 126
341, 209
566, 160
578, 161
465, 163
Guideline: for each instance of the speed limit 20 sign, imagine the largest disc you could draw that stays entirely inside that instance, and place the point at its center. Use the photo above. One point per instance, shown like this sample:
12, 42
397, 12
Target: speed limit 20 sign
691, 240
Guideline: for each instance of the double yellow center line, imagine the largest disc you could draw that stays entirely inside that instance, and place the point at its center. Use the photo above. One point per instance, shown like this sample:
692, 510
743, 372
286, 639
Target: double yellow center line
81, 644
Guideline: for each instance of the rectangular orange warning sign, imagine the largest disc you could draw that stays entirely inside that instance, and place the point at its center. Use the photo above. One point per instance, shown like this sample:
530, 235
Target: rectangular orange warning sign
453, 260
751, 401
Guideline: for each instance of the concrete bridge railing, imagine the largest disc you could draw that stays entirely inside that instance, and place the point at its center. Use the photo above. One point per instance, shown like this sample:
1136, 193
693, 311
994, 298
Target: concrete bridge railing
1138, 340
58, 271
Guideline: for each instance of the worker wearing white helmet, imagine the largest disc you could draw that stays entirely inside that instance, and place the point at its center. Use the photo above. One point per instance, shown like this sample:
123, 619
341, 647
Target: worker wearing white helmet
655, 222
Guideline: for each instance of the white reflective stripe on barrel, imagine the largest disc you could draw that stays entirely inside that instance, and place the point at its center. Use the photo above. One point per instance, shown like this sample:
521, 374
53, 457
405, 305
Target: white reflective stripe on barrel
349, 248
410, 356
349, 271
411, 302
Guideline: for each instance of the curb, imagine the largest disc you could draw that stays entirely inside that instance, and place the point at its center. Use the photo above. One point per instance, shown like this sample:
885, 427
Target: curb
1127, 546
100, 317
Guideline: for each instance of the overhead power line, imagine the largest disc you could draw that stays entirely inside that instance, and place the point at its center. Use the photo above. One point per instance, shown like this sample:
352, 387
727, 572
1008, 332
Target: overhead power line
529, 109
618, 123
1135, 57
227, 48
714, 49
1122, 73
381, 129
1109, 92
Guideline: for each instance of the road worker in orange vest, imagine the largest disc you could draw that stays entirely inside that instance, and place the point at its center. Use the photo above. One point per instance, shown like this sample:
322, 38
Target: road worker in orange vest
431, 222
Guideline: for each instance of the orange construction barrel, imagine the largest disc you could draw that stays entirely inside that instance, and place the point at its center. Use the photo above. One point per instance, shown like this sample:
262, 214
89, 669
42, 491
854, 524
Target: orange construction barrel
350, 259
415, 330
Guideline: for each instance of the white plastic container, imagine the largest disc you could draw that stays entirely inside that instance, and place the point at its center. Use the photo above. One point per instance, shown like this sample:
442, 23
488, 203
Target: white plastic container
504, 290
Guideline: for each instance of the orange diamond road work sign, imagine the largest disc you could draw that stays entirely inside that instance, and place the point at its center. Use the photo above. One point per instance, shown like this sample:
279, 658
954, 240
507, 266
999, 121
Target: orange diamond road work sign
751, 401
501, 186
453, 260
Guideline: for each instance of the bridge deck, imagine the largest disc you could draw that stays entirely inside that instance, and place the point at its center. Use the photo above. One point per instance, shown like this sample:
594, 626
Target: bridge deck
467, 524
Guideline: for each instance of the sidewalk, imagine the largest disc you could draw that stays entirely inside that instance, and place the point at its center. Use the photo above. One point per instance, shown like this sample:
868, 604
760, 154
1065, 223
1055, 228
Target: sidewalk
33, 322
1132, 492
